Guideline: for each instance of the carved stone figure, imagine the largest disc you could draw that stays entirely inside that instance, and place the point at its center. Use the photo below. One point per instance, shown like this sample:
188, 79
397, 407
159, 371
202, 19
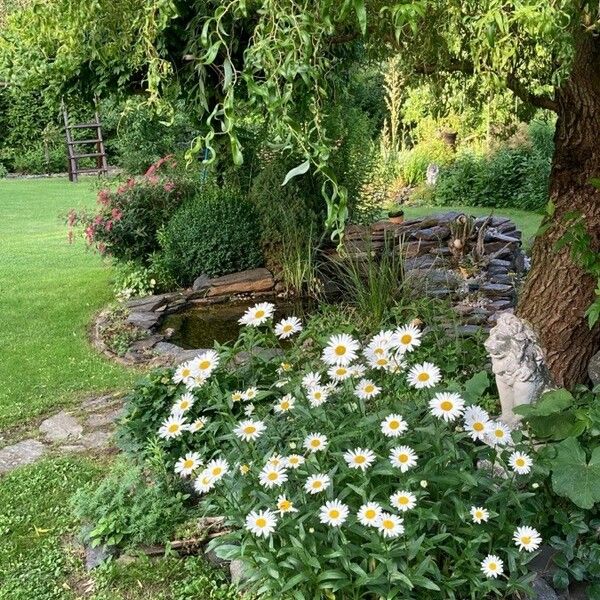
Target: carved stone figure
518, 363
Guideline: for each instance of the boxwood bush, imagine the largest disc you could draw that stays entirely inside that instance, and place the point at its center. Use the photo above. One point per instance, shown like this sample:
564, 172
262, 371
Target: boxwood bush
215, 233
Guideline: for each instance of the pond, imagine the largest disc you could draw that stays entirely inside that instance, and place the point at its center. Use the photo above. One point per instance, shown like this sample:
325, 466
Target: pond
201, 326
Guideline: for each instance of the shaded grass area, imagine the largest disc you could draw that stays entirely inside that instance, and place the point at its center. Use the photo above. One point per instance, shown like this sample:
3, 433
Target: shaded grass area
528, 222
39, 558
48, 293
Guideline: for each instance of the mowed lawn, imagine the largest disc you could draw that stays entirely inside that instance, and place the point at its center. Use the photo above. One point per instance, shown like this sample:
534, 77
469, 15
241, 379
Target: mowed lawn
49, 291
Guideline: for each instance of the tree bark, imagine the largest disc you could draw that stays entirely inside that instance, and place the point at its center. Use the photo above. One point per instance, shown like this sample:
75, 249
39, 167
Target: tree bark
557, 292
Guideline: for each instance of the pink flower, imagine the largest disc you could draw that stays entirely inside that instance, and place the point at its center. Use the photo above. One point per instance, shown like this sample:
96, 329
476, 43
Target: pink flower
104, 197
108, 225
116, 214
89, 234
102, 247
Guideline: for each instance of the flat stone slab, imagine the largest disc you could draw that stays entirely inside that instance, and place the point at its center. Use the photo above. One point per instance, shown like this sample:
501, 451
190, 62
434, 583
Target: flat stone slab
97, 420
253, 280
20, 454
61, 427
96, 440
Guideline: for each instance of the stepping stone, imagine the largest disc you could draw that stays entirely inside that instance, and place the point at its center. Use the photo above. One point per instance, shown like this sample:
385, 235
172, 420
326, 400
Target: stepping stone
96, 440
96, 420
61, 427
18, 455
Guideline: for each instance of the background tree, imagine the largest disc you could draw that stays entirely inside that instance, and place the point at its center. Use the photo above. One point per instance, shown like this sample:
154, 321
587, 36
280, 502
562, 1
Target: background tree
281, 60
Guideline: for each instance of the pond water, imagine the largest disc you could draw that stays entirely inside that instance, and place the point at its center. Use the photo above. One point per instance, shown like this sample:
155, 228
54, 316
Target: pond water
201, 326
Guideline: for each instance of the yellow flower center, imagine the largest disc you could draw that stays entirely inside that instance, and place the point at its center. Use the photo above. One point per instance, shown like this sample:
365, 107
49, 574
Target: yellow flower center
394, 424
205, 364
403, 458
478, 514
184, 404
174, 428
370, 513
340, 372
316, 485
285, 505
520, 462
499, 433
446, 405
423, 376
379, 351
188, 463
287, 328
244, 469
492, 566
261, 522
387, 524
406, 338
360, 459
273, 476
293, 460
285, 405
369, 388
525, 539
403, 500
478, 426
250, 429
382, 361
259, 314
317, 395
315, 443
340, 350
217, 471
186, 372
334, 513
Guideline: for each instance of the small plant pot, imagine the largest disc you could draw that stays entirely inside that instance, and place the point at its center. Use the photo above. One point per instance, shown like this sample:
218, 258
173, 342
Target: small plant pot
396, 217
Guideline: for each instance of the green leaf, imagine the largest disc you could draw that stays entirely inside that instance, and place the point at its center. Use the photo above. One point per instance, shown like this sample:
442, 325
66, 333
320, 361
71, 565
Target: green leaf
299, 170
361, 15
573, 477
549, 403
476, 386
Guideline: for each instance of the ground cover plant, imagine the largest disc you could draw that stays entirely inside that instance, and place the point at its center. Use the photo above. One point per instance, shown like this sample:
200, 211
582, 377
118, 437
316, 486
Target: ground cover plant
50, 291
347, 468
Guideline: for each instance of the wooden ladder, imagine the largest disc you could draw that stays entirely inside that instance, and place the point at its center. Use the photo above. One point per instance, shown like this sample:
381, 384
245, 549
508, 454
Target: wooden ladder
82, 148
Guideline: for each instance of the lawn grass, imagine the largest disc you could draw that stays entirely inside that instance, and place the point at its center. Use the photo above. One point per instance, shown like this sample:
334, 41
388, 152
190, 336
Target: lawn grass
49, 291
527, 222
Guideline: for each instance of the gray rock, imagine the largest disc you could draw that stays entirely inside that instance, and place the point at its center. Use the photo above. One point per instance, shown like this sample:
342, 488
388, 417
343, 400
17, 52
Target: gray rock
20, 454
94, 557
496, 289
502, 279
61, 427
96, 420
594, 369
238, 571
496, 236
542, 591
143, 320
148, 303
96, 440
498, 262
201, 283
422, 262
438, 232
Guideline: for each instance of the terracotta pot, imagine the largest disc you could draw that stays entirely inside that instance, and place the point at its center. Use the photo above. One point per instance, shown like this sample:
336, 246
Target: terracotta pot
396, 220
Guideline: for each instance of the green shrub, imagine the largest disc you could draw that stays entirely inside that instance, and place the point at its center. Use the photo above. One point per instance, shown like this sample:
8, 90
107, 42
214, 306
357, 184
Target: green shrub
215, 233
132, 505
413, 163
3, 171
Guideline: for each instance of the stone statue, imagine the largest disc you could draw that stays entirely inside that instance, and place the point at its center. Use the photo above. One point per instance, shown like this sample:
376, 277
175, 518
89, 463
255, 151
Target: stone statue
518, 363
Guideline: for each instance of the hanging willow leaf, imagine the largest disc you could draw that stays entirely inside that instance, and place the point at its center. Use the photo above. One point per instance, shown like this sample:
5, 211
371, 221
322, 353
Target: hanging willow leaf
299, 170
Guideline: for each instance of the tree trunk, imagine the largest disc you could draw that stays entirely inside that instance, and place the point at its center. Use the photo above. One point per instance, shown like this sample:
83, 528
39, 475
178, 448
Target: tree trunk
557, 292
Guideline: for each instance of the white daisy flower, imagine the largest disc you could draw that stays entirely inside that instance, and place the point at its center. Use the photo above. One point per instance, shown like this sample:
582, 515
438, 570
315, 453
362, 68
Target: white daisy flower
197, 425
293, 461
397, 364
249, 430
217, 468
284, 367
403, 500
424, 375
498, 434
249, 409
339, 372
393, 425
407, 338
285, 505
477, 422
333, 513
205, 363
195, 382
172, 427
287, 327
378, 346
257, 314
357, 370
447, 406
237, 396
390, 525
315, 441
359, 458
183, 404
244, 469
204, 482
366, 389
479, 514
492, 566
186, 465
316, 483
311, 380
250, 394
317, 395
369, 513
284, 404
183, 373
272, 476
340, 350
261, 523
520, 462
403, 457
379, 361
276, 460
527, 538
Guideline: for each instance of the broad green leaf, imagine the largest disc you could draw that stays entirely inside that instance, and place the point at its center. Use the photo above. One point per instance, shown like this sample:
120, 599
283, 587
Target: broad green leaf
361, 15
575, 478
549, 403
299, 170
476, 386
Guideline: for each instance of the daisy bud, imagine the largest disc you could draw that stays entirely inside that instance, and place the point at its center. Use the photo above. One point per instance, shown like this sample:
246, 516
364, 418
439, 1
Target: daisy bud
423, 483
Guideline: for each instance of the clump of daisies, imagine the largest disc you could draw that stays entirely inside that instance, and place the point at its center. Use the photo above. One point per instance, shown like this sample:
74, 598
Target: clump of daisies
334, 459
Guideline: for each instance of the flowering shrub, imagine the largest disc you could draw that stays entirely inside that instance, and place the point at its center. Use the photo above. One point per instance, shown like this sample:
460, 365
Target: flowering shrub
128, 219
350, 469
